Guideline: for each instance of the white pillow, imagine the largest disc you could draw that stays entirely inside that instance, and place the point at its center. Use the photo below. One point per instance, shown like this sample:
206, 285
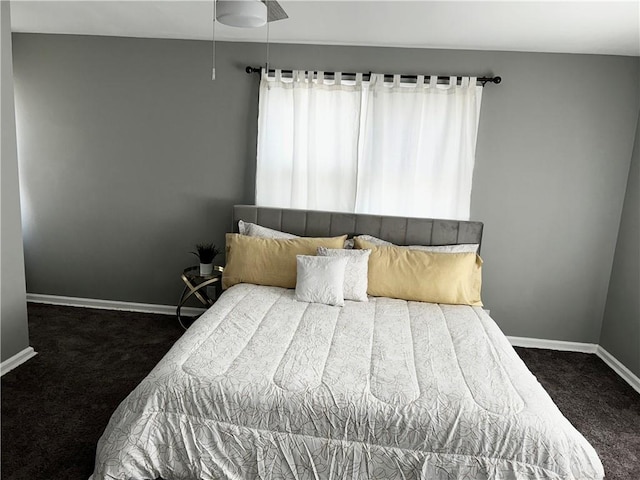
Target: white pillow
254, 230
356, 273
320, 279
375, 240
459, 248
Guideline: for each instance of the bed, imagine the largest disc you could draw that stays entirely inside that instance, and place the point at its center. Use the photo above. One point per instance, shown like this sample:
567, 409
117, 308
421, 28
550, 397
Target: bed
265, 386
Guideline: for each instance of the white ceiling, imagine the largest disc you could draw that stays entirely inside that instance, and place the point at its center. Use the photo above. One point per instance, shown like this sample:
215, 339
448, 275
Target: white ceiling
594, 27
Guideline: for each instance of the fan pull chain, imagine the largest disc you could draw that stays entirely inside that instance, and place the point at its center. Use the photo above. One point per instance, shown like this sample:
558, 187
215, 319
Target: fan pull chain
213, 35
267, 48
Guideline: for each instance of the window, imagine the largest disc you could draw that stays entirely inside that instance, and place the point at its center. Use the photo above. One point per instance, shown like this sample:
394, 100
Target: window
388, 148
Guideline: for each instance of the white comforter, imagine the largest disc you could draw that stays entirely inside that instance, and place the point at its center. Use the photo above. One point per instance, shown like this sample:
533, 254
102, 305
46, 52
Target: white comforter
263, 386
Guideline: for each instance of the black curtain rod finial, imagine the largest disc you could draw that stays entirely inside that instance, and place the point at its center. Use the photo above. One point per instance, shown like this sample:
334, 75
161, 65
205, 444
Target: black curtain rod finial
485, 80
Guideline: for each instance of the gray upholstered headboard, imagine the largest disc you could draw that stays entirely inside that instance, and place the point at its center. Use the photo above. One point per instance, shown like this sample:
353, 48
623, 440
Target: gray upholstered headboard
399, 230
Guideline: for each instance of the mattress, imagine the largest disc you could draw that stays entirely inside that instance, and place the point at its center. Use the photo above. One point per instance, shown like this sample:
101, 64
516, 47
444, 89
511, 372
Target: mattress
263, 386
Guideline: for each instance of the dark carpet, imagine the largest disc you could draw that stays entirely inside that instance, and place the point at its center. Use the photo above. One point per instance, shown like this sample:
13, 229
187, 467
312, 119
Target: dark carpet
55, 406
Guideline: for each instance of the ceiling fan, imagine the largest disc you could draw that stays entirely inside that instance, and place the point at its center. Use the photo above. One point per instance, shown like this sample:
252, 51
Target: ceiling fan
245, 14
249, 13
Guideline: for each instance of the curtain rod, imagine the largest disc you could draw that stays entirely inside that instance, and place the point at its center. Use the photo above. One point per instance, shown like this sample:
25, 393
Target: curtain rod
483, 80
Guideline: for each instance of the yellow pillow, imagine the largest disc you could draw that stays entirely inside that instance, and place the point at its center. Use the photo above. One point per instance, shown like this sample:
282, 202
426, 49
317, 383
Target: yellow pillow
269, 261
453, 278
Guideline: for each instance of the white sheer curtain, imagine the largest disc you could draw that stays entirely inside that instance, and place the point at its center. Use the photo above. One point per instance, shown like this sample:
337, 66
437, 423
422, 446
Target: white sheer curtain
308, 141
377, 147
418, 147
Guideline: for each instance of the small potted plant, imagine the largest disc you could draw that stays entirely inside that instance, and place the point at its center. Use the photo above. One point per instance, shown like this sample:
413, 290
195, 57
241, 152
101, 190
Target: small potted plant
206, 252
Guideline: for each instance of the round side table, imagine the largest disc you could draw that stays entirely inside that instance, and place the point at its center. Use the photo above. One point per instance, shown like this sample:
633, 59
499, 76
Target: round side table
196, 285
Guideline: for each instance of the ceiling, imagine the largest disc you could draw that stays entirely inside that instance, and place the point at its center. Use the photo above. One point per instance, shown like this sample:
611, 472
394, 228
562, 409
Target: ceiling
591, 27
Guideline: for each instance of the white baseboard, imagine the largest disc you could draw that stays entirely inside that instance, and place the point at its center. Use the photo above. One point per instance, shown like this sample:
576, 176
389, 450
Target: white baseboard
111, 304
615, 364
553, 344
626, 374
526, 342
17, 360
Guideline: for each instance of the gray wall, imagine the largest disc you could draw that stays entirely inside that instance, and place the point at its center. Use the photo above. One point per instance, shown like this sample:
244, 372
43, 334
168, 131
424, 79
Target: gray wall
621, 325
13, 310
130, 155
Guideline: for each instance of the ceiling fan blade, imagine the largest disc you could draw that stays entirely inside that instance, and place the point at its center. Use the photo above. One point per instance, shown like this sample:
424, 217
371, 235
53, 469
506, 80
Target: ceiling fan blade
275, 11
